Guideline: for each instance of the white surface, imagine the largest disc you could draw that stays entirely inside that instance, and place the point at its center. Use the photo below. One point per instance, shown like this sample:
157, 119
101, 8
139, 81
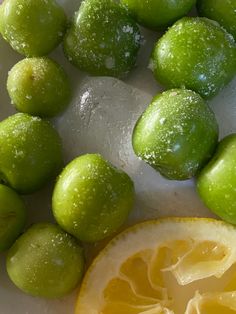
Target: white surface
100, 119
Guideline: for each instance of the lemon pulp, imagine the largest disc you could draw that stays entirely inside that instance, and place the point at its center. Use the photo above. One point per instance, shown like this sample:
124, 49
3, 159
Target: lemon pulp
170, 266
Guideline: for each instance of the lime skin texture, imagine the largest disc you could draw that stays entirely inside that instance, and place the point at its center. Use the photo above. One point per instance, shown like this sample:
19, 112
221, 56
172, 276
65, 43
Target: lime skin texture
217, 181
223, 12
12, 216
92, 199
103, 39
32, 27
31, 152
195, 53
177, 134
39, 86
158, 14
45, 261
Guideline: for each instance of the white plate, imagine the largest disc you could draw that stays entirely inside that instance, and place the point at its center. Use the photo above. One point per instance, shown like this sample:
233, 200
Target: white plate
100, 119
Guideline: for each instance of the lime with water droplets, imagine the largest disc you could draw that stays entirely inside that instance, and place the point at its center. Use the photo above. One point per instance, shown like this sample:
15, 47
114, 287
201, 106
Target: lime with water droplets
102, 39
216, 183
39, 86
176, 134
32, 28
195, 53
92, 199
158, 14
45, 261
31, 152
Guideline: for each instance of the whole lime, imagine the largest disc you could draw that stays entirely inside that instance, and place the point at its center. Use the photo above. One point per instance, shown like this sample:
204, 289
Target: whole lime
158, 14
177, 134
39, 86
92, 199
33, 28
195, 53
216, 183
45, 261
31, 152
102, 39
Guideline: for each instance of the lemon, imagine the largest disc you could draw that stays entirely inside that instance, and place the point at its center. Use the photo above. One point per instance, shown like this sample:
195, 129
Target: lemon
169, 266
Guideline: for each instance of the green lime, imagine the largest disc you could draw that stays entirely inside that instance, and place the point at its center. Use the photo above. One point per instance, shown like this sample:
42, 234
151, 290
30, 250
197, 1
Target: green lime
92, 199
32, 27
39, 86
31, 152
45, 261
158, 14
102, 39
216, 183
177, 134
195, 53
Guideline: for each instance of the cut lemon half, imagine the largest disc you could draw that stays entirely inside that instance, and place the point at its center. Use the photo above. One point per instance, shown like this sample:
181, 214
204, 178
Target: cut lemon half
175, 265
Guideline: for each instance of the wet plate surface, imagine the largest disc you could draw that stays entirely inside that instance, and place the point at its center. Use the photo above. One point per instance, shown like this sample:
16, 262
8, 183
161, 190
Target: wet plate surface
100, 119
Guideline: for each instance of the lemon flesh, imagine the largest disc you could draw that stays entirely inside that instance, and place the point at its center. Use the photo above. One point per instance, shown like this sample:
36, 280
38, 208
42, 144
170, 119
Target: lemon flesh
169, 266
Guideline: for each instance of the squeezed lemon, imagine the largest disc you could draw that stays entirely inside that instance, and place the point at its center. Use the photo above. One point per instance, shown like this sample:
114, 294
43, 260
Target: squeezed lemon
176, 265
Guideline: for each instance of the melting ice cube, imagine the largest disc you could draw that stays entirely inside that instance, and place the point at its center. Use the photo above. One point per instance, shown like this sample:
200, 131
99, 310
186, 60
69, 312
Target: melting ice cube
224, 106
101, 119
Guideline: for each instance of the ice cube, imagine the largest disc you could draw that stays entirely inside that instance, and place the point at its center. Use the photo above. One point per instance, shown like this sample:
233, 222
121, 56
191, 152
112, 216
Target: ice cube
101, 119
224, 106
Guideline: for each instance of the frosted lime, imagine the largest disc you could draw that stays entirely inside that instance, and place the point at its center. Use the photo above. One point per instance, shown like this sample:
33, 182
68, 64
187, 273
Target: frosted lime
92, 198
39, 86
32, 27
177, 134
158, 14
31, 152
45, 261
195, 53
102, 39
